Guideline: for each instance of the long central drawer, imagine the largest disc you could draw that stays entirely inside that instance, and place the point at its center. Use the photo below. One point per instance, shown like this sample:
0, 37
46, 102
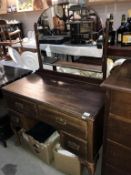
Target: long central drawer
61, 121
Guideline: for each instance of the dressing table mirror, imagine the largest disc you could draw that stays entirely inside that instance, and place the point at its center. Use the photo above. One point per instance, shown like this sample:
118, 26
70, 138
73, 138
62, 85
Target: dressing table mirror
70, 40
70, 102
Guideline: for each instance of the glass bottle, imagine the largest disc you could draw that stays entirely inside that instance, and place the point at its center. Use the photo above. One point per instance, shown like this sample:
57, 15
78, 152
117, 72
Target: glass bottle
126, 34
111, 40
121, 29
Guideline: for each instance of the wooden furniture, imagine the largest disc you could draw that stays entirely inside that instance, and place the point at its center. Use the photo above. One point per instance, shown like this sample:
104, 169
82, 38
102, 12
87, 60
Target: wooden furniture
117, 127
117, 123
17, 25
8, 37
72, 104
89, 57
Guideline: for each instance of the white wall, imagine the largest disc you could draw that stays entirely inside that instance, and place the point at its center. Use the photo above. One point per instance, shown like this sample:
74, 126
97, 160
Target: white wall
116, 8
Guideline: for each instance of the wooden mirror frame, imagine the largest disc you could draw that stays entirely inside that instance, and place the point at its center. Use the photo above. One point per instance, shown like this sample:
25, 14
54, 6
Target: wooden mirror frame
103, 58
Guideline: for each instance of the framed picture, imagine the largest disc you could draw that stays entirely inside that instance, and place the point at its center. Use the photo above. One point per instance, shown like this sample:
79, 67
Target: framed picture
3, 7
24, 5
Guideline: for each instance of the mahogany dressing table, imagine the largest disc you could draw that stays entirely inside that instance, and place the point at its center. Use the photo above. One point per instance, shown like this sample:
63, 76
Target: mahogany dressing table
72, 104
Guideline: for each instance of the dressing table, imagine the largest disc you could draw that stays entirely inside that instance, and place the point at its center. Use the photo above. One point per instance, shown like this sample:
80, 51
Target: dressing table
72, 104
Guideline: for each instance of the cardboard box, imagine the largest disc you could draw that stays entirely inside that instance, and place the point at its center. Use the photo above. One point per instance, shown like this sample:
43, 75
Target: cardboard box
43, 150
66, 162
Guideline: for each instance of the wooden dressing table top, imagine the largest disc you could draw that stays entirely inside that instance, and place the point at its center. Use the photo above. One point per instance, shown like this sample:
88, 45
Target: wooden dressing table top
64, 93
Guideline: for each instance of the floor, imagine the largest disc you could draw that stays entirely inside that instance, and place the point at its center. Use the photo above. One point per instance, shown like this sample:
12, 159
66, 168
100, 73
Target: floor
16, 160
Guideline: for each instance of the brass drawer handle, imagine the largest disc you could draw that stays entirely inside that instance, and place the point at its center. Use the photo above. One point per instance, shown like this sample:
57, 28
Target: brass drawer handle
73, 145
19, 106
61, 121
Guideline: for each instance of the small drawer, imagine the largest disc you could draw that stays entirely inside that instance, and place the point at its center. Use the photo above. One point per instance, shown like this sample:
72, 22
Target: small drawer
74, 144
15, 119
21, 121
63, 121
119, 130
29, 109
121, 104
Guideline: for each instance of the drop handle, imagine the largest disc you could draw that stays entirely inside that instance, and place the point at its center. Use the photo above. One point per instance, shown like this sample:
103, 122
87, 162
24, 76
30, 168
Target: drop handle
61, 121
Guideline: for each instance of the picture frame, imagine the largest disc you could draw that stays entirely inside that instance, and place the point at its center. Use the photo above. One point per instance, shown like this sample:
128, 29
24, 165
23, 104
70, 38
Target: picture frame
3, 7
24, 5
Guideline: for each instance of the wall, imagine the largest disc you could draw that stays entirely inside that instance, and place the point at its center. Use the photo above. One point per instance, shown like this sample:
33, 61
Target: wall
116, 8
29, 18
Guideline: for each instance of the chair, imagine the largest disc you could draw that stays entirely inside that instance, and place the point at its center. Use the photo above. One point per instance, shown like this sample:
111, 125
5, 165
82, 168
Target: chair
8, 37
15, 59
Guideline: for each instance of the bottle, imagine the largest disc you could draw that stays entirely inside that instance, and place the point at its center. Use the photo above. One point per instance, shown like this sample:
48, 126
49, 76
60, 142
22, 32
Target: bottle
121, 29
111, 39
126, 34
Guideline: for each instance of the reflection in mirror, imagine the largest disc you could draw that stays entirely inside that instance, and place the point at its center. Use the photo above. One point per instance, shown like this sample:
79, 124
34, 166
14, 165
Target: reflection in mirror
70, 36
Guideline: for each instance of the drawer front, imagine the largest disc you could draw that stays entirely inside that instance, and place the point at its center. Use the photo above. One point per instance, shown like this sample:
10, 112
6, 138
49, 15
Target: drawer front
62, 121
119, 130
121, 104
15, 119
29, 109
74, 144
110, 170
118, 156
20, 121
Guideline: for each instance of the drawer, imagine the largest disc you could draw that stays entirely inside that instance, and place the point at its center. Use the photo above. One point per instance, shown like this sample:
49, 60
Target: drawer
62, 121
110, 170
15, 119
26, 107
74, 144
121, 104
119, 130
118, 156
20, 121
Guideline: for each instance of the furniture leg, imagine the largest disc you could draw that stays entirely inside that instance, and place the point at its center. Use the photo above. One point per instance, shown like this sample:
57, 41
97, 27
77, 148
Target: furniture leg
91, 168
17, 135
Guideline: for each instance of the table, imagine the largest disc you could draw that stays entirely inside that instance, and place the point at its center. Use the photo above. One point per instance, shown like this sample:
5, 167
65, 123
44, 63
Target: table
72, 106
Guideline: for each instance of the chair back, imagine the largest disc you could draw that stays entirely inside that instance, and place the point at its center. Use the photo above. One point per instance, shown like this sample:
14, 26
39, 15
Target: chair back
8, 37
4, 29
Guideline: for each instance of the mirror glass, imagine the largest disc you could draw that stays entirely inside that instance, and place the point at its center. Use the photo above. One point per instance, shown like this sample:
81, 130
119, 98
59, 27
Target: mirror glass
69, 34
